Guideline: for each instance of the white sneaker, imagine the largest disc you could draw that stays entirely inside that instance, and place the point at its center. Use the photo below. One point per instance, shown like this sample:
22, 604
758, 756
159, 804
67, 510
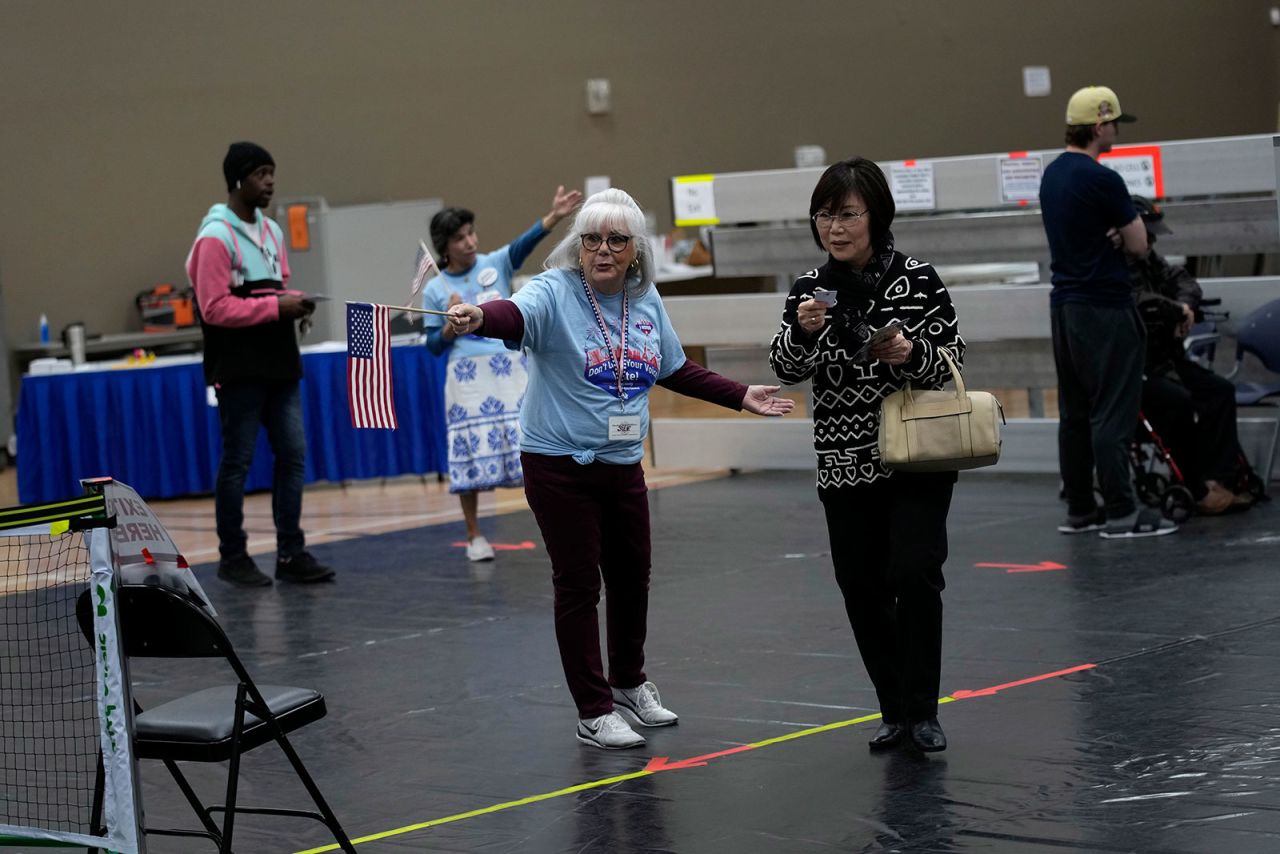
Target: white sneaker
479, 549
608, 731
644, 704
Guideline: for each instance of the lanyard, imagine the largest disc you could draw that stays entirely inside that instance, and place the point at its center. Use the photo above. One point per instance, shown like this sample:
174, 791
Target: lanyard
617, 357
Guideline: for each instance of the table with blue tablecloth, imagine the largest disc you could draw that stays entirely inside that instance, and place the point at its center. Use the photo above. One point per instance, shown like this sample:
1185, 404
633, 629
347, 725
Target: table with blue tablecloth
152, 427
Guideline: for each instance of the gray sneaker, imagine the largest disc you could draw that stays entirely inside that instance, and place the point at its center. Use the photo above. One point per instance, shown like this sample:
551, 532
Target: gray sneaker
1146, 522
643, 703
608, 731
242, 572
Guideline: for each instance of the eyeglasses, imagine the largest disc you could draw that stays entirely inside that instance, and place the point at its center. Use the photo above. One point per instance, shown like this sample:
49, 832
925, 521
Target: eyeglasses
846, 219
616, 242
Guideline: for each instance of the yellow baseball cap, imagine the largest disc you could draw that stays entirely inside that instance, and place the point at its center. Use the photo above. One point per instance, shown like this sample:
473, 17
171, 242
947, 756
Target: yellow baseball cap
1094, 104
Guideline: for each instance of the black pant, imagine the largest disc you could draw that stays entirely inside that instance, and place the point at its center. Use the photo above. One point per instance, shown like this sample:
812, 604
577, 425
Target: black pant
1194, 411
595, 522
888, 544
1098, 351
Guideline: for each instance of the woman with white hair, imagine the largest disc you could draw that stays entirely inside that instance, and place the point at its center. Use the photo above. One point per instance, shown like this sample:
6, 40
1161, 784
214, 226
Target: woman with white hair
598, 338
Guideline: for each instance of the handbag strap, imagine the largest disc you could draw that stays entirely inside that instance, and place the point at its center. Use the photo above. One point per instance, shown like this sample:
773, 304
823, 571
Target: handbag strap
955, 372
955, 376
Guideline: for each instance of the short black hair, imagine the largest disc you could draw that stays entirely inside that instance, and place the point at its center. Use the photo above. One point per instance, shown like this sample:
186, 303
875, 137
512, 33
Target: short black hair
855, 175
445, 224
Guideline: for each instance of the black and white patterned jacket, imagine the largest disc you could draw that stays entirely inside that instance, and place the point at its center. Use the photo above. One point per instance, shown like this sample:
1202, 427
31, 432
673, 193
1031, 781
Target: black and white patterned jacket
847, 395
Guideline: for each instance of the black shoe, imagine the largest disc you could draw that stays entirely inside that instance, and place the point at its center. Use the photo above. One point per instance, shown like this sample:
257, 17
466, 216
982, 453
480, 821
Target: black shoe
302, 568
242, 572
887, 735
1095, 521
928, 735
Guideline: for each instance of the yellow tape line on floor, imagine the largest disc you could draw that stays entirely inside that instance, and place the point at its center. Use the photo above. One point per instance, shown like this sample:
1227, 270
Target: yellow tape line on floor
659, 764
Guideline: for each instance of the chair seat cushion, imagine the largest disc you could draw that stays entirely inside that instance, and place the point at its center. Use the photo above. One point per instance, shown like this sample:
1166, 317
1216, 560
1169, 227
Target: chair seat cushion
1251, 394
209, 715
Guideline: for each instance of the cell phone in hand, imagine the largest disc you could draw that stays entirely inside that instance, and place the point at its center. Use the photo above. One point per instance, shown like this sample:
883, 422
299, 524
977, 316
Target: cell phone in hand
877, 337
824, 296
884, 334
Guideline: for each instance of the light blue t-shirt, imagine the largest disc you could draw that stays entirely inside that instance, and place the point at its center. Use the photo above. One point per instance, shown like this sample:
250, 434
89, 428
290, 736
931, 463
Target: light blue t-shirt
489, 278
572, 382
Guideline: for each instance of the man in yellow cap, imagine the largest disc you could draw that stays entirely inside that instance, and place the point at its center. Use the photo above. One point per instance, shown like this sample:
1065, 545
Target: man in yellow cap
1097, 333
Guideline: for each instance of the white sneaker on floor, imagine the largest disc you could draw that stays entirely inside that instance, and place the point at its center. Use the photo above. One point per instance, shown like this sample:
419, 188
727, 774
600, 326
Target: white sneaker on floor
479, 549
643, 703
608, 731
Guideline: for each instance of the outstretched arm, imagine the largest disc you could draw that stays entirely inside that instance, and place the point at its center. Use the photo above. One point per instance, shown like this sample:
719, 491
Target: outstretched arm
760, 400
500, 318
693, 380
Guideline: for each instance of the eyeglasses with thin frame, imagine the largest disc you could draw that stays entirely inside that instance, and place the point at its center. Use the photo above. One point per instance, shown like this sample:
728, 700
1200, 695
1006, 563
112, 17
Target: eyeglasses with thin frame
616, 242
846, 219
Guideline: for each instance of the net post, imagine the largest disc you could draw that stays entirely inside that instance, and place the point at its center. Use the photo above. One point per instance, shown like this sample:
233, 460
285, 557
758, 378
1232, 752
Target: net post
122, 800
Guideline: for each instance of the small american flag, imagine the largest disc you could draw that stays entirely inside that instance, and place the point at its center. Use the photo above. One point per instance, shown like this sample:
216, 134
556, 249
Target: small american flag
423, 264
369, 367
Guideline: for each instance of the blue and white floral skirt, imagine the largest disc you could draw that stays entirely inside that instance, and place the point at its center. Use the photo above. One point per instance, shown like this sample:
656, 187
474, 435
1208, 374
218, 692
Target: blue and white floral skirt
482, 399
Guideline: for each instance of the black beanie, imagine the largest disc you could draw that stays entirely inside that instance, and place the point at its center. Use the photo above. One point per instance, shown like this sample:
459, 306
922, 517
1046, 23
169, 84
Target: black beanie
444, 225
241, 160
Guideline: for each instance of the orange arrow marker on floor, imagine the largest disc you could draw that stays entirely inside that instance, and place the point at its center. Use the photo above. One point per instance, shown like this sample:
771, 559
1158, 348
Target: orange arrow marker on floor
660, 763
504, 547
996, 689
1042, 566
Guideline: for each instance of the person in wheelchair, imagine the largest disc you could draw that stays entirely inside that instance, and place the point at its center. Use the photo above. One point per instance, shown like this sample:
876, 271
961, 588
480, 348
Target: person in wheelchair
1193, 408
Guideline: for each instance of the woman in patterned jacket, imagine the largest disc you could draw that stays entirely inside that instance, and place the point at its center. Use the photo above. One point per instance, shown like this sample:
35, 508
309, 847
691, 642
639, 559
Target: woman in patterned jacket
888, 530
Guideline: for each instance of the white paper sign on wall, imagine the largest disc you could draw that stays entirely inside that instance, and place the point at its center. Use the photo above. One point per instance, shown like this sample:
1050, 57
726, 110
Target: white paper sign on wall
911, 182
1139, 166
693, 200
1020, 177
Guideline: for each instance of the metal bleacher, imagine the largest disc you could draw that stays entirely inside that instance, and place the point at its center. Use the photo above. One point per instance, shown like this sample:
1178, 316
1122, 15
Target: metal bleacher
1219, 196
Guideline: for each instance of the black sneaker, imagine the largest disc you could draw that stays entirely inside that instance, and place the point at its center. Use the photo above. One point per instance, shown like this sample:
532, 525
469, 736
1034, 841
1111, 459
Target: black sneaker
302, 568
242, 572
1094, 521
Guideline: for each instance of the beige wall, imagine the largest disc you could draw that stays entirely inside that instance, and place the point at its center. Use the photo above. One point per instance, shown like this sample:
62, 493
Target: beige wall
114, 117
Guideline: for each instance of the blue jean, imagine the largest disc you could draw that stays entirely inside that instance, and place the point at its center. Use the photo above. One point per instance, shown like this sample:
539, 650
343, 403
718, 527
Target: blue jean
241, 409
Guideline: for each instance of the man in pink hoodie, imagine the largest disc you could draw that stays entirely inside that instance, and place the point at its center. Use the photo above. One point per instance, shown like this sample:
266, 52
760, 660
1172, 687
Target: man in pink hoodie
239, 269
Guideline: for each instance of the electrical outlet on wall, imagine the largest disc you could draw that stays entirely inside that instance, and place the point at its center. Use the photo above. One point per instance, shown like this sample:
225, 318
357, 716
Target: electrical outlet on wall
599, 101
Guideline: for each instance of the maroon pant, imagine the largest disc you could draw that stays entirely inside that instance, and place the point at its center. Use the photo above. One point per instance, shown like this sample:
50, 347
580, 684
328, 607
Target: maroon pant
595, 522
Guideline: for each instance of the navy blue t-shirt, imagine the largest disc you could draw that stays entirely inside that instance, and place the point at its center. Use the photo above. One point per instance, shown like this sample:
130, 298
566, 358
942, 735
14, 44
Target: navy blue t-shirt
1080, 201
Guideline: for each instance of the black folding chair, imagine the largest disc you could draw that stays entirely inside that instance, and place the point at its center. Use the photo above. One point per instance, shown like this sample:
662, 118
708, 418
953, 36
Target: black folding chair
215, 724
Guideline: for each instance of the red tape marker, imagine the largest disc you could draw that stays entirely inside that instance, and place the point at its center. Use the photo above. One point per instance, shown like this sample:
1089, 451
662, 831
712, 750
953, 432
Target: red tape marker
1042, 566
660, 763
996, 689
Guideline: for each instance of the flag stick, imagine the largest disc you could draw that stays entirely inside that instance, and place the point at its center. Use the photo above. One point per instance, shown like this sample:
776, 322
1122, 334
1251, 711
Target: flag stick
404, 308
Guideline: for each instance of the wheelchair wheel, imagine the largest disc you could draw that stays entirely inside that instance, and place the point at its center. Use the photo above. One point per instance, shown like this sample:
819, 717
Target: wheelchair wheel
1151, 488
1177, 503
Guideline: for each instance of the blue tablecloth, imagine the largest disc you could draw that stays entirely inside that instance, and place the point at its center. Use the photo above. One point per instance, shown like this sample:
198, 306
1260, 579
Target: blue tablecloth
153, 429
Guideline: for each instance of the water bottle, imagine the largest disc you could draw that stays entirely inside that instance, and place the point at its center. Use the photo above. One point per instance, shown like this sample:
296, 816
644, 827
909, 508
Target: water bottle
44, 329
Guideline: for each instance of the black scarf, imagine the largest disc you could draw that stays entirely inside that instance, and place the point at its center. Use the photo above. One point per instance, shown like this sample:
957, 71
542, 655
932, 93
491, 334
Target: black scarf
858, 288
861, 284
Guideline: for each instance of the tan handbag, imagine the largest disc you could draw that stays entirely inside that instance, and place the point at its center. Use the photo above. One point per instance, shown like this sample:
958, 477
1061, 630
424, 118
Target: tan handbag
940, 430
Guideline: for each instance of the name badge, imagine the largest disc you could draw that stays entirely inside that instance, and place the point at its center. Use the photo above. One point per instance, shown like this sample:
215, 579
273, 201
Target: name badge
487, 296
624, 428
488, 277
